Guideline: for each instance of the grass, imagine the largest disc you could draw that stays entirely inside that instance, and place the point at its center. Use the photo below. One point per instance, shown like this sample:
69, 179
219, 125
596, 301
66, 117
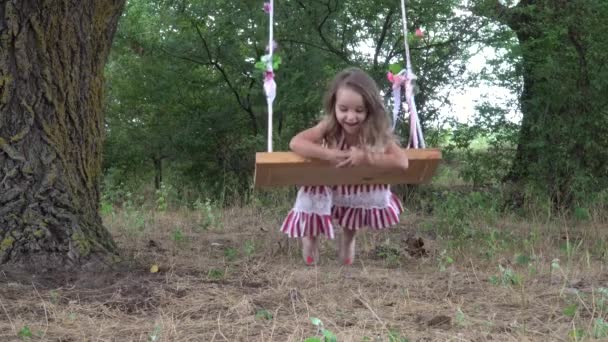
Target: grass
484, 276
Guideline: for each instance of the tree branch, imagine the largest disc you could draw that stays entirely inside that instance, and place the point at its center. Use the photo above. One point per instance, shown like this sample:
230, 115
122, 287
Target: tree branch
325, 40
385, 27
245, 106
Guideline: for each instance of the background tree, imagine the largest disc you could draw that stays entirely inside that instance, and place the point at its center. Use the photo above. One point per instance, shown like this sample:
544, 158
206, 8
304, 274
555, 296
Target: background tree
52, 57
561, 57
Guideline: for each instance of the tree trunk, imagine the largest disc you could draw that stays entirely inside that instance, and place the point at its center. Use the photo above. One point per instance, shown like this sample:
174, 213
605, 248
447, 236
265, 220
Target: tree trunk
52, 57
158, 172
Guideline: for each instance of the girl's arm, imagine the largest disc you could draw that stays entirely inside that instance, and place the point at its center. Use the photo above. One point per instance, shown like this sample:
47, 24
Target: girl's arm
308, 144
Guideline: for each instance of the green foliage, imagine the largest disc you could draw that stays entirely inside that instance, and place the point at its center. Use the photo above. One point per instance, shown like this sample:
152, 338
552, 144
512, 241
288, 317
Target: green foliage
185, 104
185, 100
457, 212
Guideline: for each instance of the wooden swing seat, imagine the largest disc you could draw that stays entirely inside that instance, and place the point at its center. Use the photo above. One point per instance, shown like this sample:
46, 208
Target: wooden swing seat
288, 168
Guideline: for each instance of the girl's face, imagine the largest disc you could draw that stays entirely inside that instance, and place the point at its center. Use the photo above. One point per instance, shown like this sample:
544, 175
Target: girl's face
350, 110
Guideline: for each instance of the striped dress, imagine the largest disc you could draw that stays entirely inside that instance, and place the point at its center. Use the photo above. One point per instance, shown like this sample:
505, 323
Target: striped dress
351, 206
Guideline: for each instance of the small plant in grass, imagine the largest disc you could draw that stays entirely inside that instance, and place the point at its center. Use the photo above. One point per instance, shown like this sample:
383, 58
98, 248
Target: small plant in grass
162, 195
25, 333
394, 336
389, 254
263, 314
54, 296
155, 335
570, 310
216, 274
602, 300
507, 277
600, 328
249, 248
576, 334
325, 335
460, 318
569, 247
134, 219
177, 235
107, 209
208, 214
526, 261
557, 273
230, 253
444, 261
582, 214
393, 261
522, 259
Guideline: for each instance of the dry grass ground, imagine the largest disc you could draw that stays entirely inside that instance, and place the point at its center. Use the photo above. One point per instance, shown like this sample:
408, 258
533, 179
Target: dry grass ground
238, 279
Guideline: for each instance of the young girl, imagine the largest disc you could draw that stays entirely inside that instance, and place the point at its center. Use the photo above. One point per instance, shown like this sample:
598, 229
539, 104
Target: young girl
355, 131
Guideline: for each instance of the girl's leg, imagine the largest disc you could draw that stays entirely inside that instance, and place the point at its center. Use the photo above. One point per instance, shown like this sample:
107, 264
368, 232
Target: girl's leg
347, 248
310, 249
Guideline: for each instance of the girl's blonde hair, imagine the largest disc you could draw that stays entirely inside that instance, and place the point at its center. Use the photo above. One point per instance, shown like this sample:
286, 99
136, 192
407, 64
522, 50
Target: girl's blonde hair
375, 132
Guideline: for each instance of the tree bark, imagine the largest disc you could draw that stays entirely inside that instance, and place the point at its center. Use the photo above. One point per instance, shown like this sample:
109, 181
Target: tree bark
52, 57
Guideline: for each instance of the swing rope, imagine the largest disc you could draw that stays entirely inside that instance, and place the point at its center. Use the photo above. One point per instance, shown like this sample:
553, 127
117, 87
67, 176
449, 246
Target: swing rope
406, 78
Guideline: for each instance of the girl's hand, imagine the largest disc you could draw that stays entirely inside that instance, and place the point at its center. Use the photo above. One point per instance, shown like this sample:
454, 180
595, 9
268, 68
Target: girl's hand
335, 156
356, 157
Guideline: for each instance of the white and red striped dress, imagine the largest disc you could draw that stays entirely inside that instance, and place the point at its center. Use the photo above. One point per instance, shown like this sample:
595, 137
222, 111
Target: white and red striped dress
351, 206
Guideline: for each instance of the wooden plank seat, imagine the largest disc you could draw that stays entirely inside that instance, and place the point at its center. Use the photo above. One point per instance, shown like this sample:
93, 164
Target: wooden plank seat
288, 168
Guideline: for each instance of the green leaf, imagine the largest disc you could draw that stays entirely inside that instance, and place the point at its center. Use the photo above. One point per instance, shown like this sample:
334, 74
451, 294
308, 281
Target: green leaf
313, 339
276, 61
395, 68
260, 65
